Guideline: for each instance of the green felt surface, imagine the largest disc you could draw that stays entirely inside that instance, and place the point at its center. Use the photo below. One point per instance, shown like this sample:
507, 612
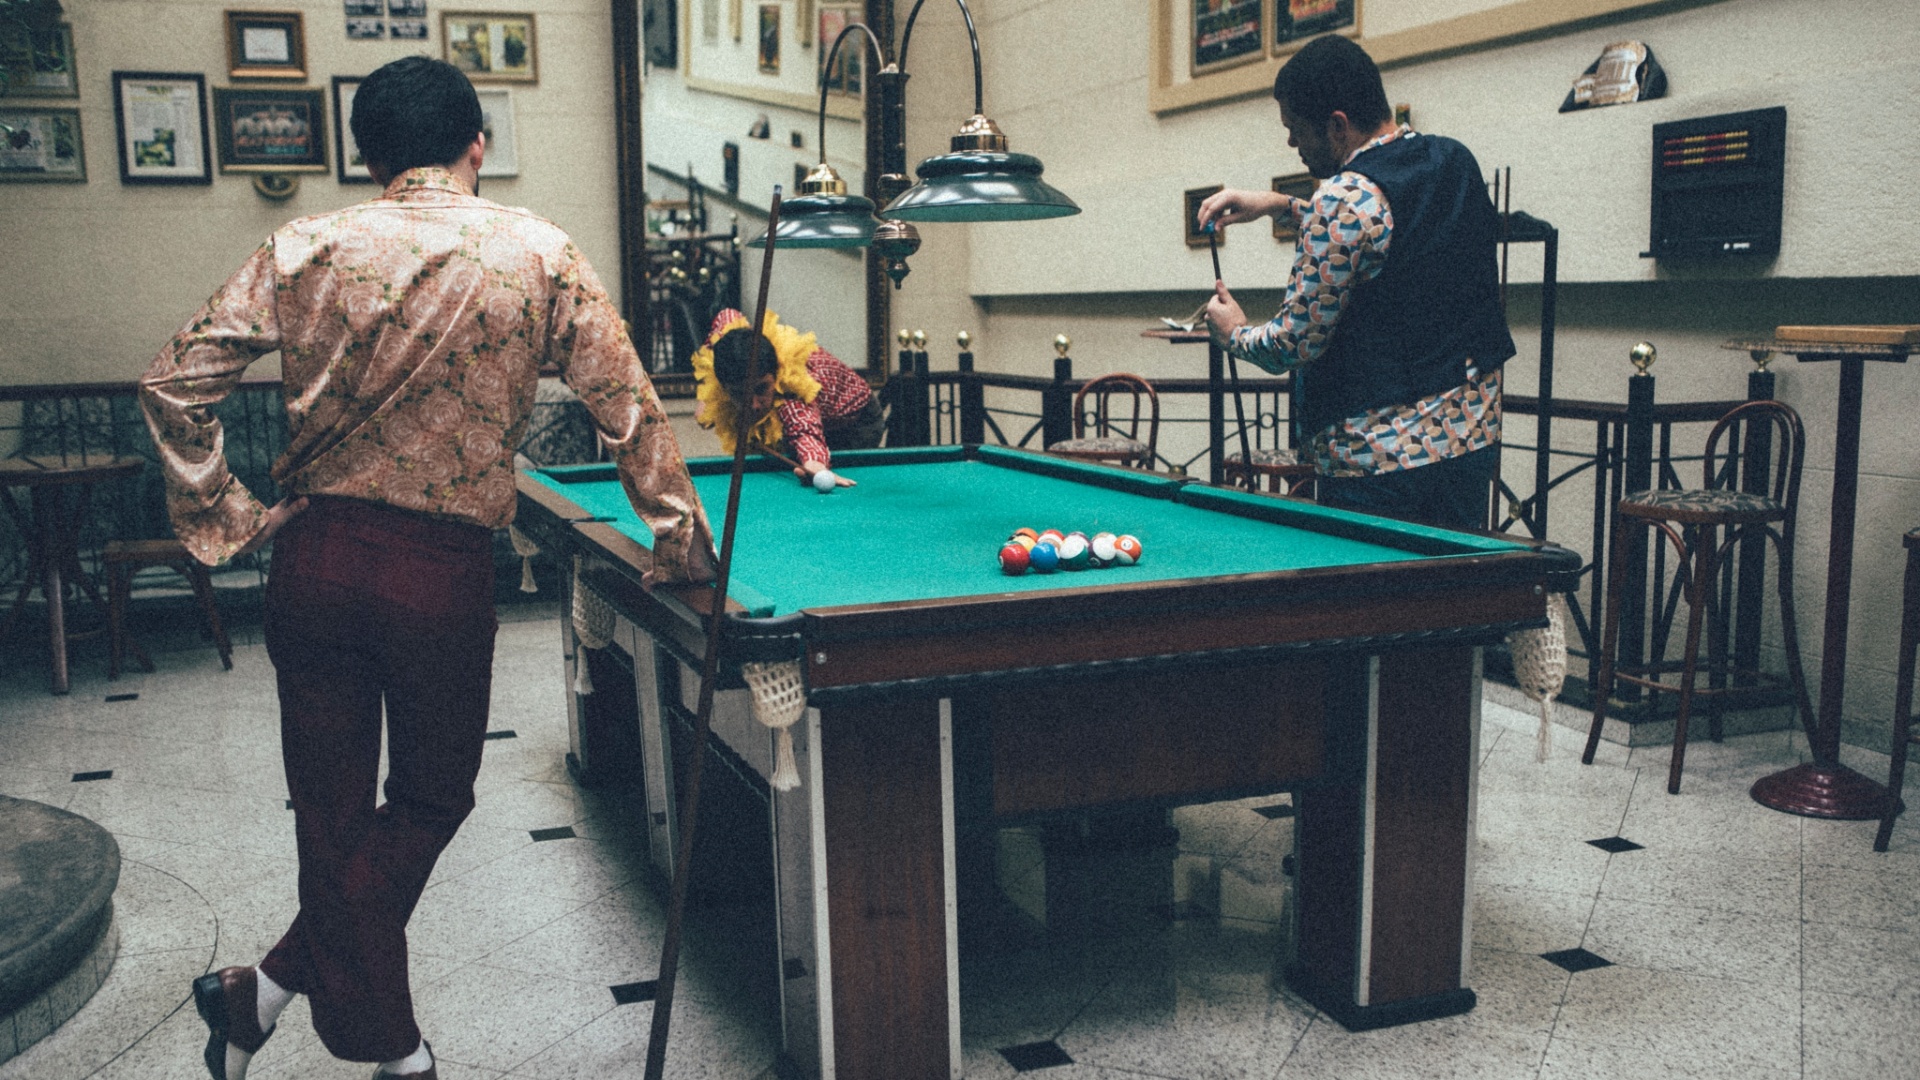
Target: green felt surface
933, 530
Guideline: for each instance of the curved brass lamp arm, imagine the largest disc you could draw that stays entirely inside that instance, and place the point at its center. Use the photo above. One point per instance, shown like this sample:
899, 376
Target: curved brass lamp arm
973, 38
879, 54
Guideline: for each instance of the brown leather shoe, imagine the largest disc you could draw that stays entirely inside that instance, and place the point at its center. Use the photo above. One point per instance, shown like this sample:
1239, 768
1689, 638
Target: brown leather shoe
229, 1001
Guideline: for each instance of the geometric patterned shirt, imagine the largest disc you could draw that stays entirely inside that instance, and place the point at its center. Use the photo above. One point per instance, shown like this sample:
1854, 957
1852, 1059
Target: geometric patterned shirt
1345, 234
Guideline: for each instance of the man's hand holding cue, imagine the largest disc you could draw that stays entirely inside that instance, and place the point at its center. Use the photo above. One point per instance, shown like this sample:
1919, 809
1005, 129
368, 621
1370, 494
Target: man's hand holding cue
1228, 207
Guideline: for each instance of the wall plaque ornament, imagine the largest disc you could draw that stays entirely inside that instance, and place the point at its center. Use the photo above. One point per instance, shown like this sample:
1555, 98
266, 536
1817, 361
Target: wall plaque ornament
1626, 72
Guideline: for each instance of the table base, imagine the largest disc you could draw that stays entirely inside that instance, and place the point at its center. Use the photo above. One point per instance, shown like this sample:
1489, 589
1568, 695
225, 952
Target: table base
1822, 791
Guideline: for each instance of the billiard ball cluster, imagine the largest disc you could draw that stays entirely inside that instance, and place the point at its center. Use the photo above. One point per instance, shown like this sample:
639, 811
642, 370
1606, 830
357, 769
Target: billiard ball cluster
1045, 552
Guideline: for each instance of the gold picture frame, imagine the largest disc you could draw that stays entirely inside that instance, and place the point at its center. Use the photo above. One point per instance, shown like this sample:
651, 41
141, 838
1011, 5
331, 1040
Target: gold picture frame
491, 46
266, 45
271, 129
1300, 186
1227, 33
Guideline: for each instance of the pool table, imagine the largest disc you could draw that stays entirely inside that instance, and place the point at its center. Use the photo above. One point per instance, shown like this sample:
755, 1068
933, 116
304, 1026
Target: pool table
1260, 645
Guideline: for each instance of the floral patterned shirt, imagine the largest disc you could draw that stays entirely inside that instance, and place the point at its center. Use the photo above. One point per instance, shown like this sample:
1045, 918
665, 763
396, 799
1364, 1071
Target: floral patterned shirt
411, 330
1346, 230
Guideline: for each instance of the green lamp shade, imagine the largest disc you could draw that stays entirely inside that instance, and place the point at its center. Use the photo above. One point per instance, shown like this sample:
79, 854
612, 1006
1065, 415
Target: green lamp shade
980, 186
822, 221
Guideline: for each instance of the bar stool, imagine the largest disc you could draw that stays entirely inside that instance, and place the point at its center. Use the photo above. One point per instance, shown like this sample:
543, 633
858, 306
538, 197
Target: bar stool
1691, 520
1903, 733
125, 558
1285, 473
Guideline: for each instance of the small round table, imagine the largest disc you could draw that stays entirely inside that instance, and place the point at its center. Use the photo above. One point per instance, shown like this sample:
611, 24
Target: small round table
59, 489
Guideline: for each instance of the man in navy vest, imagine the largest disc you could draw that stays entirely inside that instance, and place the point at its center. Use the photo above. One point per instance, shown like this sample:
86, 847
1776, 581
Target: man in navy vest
1391, 324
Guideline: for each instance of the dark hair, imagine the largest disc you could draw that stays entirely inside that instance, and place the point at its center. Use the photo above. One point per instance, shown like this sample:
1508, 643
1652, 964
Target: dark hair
730, 360
413, 112
1332, 74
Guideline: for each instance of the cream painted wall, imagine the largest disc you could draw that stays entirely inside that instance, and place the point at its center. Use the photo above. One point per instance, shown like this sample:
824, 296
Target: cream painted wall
1067, 79
99, 275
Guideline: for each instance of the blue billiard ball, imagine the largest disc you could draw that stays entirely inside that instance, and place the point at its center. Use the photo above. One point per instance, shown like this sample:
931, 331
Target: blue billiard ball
1044, 558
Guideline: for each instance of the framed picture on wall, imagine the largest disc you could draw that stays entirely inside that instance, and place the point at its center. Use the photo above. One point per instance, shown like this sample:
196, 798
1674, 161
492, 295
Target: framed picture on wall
770, 39
266, 45
270, 131
496, 120
161, 118
1295, 22
39, 63
1300, 186
42, 145
490, 46
349, 167
848, 67
1228, 33
1190, 209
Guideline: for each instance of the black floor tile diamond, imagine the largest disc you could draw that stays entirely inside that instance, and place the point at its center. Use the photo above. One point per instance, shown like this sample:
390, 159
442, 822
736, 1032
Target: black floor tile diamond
83, 777
792, 968
1616, 844
1576, 959
1276, 811
504, 733
630, 993
123, 697
564, 832
1040, 1055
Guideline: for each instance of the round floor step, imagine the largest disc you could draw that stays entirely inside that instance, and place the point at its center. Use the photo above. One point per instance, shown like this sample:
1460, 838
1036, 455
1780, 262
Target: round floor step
57, 875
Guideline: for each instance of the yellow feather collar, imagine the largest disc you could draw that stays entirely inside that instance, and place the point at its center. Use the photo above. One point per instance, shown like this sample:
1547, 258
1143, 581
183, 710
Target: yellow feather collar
791, 380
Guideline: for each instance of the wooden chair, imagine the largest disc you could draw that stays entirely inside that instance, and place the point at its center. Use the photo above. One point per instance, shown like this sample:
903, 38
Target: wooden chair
125, 558
1691, 521
1903, 733
1098, 408
1281, 467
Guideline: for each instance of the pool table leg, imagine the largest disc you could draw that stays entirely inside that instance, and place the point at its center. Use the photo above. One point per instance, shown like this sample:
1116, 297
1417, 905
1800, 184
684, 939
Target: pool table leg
1383, 852
886, 837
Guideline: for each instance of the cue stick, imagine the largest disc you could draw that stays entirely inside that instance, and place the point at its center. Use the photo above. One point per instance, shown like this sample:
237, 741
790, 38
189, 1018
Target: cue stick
784, 459
1233, 368
709, 672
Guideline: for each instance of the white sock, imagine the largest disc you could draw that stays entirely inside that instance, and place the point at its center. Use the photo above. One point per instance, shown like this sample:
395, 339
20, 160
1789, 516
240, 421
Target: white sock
272, 1000
237, 1060
417, 1062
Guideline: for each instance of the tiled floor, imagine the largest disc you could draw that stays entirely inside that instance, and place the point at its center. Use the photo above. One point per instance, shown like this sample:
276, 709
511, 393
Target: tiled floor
1737, 942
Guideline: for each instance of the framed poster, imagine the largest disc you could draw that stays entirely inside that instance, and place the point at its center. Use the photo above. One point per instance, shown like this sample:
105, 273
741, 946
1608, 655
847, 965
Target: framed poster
1190, 207
1300, 186
490, 46
846, 75
266, 45
770, 39
496, 120
270, 131
39, 63
161, 118
349, 167
42, 145
1296, 21
1227, 33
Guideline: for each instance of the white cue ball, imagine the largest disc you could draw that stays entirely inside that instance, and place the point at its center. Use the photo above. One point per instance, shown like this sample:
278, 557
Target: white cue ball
824, 481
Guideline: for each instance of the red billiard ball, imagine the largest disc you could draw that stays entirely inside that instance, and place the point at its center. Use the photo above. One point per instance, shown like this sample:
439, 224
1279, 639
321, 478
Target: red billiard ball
1013, 560
1052, 536
1126, 550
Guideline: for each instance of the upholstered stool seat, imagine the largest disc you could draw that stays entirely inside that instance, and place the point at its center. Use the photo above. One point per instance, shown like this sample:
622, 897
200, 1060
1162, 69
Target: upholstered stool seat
125, 558
1282, 466
1111, 449
1691, 521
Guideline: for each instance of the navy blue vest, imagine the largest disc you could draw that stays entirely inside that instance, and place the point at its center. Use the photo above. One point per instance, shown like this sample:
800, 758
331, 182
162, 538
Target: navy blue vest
1408, 333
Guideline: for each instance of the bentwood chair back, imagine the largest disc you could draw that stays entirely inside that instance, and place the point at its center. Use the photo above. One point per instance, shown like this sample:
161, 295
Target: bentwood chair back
1116, 418
1692, 521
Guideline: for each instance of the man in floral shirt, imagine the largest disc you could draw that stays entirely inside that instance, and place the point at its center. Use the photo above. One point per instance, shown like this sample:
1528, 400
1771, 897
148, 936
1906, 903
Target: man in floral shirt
1391, 324
411, 329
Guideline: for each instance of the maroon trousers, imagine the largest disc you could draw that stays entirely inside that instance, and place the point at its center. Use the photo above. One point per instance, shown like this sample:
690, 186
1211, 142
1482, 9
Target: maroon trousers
369, 605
